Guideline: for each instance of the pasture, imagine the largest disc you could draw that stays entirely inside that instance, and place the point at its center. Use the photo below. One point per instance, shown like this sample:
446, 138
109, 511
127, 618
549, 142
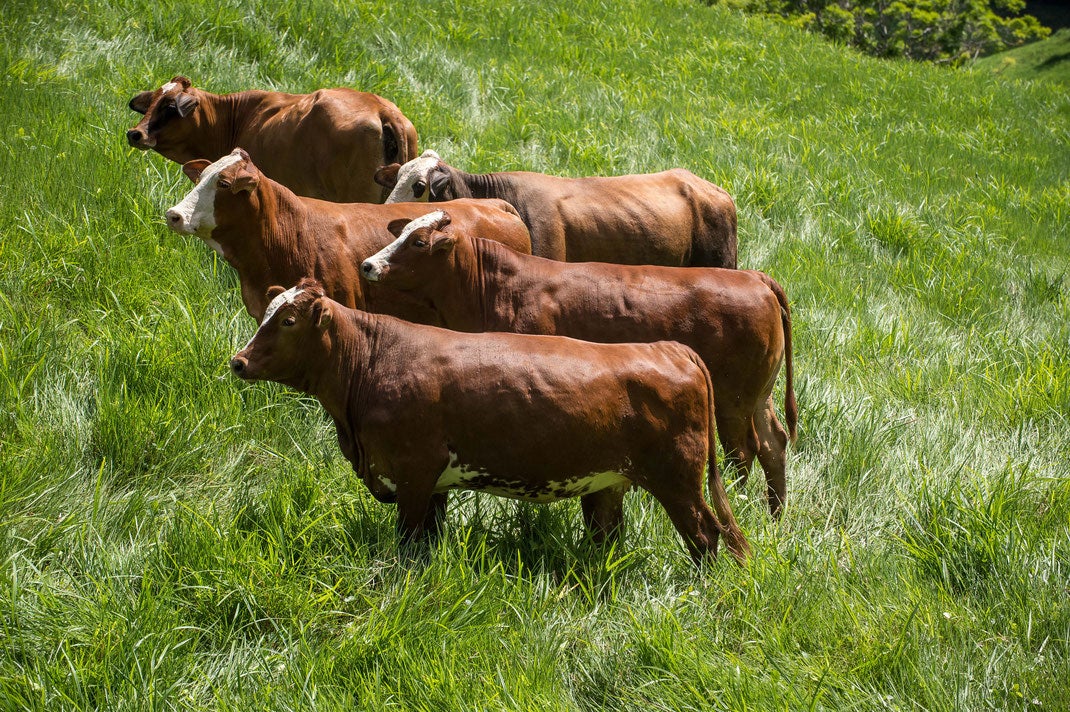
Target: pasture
1048, 59
171, 538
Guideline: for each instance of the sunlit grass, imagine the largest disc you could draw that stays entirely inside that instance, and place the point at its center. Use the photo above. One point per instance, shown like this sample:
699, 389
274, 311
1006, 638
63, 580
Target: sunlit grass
171, 538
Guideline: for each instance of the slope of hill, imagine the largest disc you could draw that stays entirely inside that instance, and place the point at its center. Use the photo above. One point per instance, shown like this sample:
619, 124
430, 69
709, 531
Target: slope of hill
1048, 59
175, 539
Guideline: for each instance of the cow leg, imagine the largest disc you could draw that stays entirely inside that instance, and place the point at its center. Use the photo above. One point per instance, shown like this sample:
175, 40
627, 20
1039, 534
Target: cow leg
603, 513
415, 511
435, 519
681, 496
772, 454
736, 431
695, 522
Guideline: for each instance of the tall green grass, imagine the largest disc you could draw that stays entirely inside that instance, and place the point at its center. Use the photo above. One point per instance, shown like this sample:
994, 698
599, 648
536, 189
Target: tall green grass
173, 539
1048, 59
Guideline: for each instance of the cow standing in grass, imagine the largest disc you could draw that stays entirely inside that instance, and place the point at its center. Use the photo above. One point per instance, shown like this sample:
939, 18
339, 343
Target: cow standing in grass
671, 218
421, 410
327, 144
738, 321
272, 236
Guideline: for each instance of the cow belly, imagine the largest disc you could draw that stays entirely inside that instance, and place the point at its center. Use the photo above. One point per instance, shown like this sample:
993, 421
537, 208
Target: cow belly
457, 476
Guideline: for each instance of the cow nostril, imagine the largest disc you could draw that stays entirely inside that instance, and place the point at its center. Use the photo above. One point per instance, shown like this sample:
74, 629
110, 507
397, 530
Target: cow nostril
237, 365
133, 135
174, 218
366, 267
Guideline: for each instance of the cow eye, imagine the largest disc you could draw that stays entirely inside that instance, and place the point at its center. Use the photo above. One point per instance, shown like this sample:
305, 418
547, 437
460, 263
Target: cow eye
224, 184
418, 188
419, 243
289, 321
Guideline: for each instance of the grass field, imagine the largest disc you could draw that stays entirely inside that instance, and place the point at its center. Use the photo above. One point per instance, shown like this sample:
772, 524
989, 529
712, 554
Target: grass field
171, 538
1048, 59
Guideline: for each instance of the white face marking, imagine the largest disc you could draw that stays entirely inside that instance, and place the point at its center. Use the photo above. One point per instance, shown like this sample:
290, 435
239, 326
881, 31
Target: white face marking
416, 169
286, 297
196, 212
457, 476
168, 87
372, 268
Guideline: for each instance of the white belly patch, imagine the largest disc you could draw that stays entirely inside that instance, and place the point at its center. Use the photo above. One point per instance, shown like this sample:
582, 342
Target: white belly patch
457, 476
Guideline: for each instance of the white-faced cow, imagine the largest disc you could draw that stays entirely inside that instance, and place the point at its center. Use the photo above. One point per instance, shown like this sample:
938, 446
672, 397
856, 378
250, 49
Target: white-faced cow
421, 410
738, 321
272, 236
671, 218
326, 145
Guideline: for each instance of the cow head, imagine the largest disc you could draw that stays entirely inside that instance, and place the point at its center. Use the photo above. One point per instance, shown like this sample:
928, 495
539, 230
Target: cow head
291, 331
422, 179
418, 251
168, 113
220, 197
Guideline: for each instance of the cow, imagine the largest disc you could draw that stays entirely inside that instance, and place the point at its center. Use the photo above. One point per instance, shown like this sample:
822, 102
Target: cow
420, 410
325, 145
671, 218
272, 236
738, 321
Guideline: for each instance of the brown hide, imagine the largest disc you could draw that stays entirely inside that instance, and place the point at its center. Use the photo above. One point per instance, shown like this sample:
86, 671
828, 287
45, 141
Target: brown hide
326, 144
420, 410
671, 218
273, 237
737, 321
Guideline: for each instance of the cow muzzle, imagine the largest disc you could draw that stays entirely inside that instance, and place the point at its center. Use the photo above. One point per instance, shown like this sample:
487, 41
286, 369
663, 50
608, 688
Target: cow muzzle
176, 221
371, 270
139, 139
239, 366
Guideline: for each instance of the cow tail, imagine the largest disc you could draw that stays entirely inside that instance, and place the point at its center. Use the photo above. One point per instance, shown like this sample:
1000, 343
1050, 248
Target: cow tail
726, 519
791, 409
399, 138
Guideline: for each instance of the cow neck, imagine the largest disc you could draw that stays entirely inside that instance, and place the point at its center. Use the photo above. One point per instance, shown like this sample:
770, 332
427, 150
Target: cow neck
274, 255
458, 294
224, 118
360, 348
485, 185
504, 287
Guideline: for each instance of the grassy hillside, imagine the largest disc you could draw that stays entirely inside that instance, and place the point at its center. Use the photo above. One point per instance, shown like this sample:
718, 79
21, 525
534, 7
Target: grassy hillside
1048, 59
173, 539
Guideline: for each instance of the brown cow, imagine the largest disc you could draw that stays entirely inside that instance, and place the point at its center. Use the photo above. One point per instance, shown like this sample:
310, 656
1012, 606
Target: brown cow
271, 236
421, 410
671, 218
326, 145
737, 321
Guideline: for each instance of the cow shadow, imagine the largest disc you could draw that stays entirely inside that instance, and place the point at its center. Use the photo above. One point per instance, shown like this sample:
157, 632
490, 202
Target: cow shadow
539, 544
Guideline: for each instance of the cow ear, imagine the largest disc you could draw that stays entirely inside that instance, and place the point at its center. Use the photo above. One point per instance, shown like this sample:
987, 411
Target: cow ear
440, 181
442, 221
442, 241
245, 181
141, 102
387, 176
396, 226
247, 176
273, 292
321, 313
194, 168
179, 79
185, 104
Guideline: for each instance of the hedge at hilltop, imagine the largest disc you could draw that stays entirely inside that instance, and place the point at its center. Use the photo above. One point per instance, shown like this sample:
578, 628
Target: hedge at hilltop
943, 31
